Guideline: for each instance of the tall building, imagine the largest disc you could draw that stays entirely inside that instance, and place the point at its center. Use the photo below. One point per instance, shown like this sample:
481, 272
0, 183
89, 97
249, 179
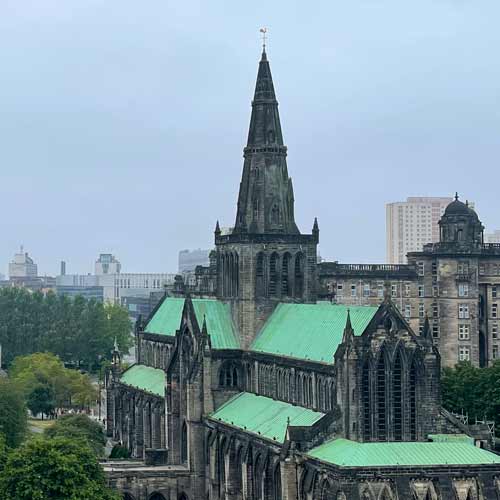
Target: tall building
493, 237
263, 393
107, 264
22, 266
411, 224
190, 259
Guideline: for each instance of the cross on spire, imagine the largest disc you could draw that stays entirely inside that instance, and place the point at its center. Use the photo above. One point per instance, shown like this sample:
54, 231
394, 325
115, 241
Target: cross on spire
264, 38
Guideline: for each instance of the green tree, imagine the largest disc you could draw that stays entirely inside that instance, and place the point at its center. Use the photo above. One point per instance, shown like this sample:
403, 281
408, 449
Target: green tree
41, 400
79, 427
13, 415
57, 468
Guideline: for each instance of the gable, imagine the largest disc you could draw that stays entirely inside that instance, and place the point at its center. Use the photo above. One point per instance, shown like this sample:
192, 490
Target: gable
310, 331
167, 319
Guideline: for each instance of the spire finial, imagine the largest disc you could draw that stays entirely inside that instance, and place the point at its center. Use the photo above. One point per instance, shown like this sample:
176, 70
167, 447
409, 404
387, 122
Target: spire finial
456, 196
115, 347
263, 30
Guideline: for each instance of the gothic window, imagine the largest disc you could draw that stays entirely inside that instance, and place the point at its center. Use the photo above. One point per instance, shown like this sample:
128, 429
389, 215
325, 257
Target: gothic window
260, 288
299, 275
397, 380
222, 465
255, 209
326, 491
381, 412
182, 496
259, 479
365, 401
236, 275
311, 394
275, 214
184, 443
273, 275
159, 496
228, 375
412, 393
249, 378
127, 496
277, 493
231, 276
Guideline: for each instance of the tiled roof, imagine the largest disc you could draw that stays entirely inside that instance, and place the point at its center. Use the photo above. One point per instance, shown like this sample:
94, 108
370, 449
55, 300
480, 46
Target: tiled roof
220, 327
347, 453
264, 416
145, 378
310, 331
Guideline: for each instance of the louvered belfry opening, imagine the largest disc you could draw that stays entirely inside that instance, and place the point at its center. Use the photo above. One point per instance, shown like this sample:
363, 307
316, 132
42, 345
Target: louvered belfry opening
285, 283
273, 275
397, 395
412, 393
299, 275
260, 285
365, 401
381, 399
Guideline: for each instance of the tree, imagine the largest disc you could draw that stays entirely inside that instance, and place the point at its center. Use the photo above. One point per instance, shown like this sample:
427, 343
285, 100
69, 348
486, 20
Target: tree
69, 387
57, 468
13, 416
41, 400
79, 427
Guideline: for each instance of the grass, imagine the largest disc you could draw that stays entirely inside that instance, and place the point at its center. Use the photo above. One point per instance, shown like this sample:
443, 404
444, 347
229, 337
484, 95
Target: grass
40, 425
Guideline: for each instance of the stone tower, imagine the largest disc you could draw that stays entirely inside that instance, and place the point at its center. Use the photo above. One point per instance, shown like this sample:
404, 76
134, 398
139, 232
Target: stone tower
264, 259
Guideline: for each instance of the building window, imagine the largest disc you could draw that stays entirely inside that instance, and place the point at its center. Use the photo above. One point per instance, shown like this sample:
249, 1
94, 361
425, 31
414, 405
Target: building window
340, 289
435, 330
407, 289
494, 292
421, 290
380, 289
463, 289
435, 291
353, 290
407, 311
481, 269
421, 310
463, 268
394, 290
494, 330
420, 329
495, 352
435, 310
463, 332
420, 268
494, 310
434, 268
464, 353
463, 311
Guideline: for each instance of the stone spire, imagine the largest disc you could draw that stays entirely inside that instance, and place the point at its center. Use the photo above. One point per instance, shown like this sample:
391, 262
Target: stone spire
265, 201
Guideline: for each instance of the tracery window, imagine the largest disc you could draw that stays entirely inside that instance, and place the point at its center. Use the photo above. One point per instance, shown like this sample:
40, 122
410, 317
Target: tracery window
228, 375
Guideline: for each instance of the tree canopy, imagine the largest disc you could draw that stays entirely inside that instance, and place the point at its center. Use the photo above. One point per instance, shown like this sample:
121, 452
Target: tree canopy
79, 427
13, 417
78, 330
475, 391
45, 370
56, 468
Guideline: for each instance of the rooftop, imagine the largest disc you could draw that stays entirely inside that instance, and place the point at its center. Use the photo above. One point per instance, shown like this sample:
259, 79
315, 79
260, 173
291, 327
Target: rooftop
264, 416
145, 378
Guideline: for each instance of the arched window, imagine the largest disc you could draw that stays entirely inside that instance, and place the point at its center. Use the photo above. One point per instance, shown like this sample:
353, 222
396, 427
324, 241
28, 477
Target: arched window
249, 378
236, 275
184, 443
231, 275
157, 496
238, 479
222, 465
260, 286
183, 496
277, 494
327, 491
128, 496
273, 275
228, 375
259, 478
285, 270
365, 401
381, 399
299, 275
397, 396
275, 214
412, 394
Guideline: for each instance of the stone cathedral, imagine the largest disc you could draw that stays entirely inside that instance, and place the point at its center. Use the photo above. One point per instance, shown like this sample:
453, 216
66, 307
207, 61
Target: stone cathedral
264, 390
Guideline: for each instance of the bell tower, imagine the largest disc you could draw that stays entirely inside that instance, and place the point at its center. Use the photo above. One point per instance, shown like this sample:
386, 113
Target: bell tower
264, 259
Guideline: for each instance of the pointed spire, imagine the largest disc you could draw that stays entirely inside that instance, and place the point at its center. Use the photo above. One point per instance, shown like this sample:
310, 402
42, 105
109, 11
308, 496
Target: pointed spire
456, 196
315, 229
217, 228
348, 330
426, 331
204, 329
115, 347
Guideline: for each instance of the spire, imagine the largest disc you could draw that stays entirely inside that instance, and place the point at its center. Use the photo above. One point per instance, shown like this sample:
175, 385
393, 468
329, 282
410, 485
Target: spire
217, 228
456, 195
426, 331
348, 330
265, 201
315, 229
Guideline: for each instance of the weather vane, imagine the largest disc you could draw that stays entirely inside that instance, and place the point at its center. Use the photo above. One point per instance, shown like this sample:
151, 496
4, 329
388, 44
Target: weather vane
264, 37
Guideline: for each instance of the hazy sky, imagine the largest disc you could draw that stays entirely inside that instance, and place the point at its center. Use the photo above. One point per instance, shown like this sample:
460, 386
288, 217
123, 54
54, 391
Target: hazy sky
122, 123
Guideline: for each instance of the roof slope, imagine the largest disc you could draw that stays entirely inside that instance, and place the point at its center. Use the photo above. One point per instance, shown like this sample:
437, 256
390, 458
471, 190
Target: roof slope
145, 378
264, 416
167, 319
310, 331
353, 454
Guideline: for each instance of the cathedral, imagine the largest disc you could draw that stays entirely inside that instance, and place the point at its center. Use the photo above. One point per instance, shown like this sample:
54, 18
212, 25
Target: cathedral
262, 384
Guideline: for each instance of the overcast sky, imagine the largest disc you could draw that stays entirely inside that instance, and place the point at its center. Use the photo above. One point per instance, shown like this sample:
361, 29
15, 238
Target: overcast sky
122, 123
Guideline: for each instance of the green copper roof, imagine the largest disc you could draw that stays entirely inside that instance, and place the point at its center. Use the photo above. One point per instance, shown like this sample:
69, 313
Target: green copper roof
145, 378
451, 438
264, 416
167, 320
310, 331
352, 454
